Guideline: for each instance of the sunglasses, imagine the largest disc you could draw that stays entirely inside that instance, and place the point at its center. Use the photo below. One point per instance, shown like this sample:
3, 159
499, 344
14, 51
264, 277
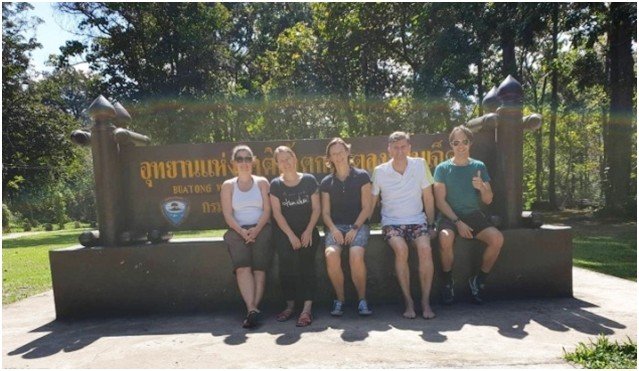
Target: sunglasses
247, 159
455, 143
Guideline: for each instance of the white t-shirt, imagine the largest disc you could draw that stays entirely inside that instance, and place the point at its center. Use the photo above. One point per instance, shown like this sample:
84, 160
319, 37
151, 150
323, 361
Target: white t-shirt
401, 194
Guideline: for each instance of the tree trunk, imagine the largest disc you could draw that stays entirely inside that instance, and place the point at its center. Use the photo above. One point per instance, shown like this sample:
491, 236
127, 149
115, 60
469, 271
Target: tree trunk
554, 104
618, 142
508, 49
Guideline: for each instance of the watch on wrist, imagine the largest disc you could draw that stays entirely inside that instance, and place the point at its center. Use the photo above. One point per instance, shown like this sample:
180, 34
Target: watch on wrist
354, 227
456, 221
432, 226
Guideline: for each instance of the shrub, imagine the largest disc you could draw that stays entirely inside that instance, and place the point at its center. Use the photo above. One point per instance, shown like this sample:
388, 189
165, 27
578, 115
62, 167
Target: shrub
26, 226
604, 354
6, 218
77, 225
48, 227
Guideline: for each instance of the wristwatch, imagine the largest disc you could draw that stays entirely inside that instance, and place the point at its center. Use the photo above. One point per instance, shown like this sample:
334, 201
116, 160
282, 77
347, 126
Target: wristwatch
455, 221
354, 227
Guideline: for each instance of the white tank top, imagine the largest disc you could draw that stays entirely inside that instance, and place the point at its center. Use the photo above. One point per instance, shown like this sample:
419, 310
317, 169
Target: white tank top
247, 206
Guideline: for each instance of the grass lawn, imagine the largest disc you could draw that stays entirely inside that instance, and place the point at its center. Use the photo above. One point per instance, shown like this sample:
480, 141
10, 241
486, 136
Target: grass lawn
604, 246
25, 260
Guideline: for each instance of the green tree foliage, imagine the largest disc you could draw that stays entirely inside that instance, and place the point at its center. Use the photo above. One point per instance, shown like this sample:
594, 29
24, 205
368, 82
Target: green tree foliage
202, 72
34, 140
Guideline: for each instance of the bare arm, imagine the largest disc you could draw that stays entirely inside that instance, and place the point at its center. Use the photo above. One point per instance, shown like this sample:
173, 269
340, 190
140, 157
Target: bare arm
374, 200
367, 208
443, 206
226, 198
266, 208
429, 203
307, 235
276, 209
326, 211
484, 189
328, 221
226, 195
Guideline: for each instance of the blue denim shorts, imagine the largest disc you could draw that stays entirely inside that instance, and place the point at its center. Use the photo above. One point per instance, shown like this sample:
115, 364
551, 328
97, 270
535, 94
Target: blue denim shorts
361, 238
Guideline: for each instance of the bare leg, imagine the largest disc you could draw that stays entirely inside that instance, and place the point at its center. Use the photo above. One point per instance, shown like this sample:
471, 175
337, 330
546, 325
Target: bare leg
333, 256
426, 269
494, 240
446, 240
358, 270
246, 284
399, 246
260, 282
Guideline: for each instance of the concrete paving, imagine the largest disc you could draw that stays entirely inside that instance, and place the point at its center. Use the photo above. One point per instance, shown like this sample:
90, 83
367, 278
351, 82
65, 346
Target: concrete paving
501, 334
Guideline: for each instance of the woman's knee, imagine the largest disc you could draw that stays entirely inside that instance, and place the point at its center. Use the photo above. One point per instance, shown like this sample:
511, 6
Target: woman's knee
332, 255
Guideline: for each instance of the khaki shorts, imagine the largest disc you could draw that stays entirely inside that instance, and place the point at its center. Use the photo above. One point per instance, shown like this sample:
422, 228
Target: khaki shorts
257, 255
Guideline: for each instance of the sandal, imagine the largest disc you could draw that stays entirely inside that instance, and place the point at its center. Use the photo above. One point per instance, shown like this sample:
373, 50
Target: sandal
285, 315
305, 319
251, 319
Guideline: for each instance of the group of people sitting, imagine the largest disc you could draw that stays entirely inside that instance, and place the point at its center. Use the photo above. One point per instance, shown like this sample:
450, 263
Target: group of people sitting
282, 216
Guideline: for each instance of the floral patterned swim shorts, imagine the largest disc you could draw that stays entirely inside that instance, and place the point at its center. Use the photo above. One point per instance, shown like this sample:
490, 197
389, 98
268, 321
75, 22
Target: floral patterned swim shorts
409, 232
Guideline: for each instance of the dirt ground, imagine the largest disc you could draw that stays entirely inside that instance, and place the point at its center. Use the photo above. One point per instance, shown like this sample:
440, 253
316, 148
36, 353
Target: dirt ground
584, 222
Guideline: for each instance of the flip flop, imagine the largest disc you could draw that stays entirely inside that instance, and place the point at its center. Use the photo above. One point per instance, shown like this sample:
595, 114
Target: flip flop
284, 315
251, 319
305, 319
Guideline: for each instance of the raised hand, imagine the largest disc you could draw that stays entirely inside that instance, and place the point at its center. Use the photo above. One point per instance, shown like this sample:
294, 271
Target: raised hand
478, 183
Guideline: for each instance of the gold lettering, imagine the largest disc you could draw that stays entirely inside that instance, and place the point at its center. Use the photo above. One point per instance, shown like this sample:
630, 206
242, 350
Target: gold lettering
145, 173
192, 189
211, 207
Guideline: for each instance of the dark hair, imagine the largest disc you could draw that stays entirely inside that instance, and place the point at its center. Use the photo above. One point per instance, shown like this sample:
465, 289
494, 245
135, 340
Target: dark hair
330, 144
463, 129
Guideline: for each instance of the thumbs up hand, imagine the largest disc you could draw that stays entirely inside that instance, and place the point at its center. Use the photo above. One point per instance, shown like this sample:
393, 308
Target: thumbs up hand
478, 183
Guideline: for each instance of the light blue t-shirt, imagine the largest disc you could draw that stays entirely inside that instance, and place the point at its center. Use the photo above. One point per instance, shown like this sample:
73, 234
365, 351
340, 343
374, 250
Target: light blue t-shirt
462, 197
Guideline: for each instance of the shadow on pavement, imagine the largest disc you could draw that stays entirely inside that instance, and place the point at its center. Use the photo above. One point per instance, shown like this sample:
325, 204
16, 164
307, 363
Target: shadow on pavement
510, 318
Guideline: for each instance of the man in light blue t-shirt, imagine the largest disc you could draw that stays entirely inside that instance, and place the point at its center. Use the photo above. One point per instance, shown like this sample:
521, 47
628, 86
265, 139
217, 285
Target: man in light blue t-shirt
405, 186
462, 186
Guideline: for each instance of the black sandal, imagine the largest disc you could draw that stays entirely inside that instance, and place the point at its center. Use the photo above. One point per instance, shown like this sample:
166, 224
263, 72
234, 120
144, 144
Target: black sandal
251, 319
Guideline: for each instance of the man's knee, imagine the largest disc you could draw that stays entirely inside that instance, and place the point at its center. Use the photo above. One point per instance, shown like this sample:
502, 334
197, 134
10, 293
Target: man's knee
446, 239
400, 248
492, 237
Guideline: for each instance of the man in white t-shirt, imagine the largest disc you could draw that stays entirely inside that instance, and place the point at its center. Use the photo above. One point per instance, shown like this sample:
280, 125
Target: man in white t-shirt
405, 186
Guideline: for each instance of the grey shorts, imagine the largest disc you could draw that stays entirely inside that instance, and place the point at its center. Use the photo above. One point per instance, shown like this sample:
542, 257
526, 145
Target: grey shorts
361, 238
257, 255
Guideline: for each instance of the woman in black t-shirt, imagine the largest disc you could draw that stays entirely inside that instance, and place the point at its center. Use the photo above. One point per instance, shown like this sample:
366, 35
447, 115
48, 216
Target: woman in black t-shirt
295, 205
346, 204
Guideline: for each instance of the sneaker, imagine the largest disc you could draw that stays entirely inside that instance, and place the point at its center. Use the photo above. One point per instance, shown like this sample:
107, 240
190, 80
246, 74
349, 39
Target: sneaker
362, 308
338, 309
448, 293
475, 289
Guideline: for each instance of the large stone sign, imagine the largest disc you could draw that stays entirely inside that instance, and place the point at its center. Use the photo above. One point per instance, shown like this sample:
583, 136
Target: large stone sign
145, 192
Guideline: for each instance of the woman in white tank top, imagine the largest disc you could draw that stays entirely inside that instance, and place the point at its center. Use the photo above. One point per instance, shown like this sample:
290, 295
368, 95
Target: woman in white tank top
247, 211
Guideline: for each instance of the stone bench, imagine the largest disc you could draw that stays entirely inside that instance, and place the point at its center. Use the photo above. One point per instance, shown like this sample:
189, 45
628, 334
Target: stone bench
195, 275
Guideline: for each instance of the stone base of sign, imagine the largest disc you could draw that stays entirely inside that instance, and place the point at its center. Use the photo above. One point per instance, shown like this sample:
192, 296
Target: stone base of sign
190, 276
